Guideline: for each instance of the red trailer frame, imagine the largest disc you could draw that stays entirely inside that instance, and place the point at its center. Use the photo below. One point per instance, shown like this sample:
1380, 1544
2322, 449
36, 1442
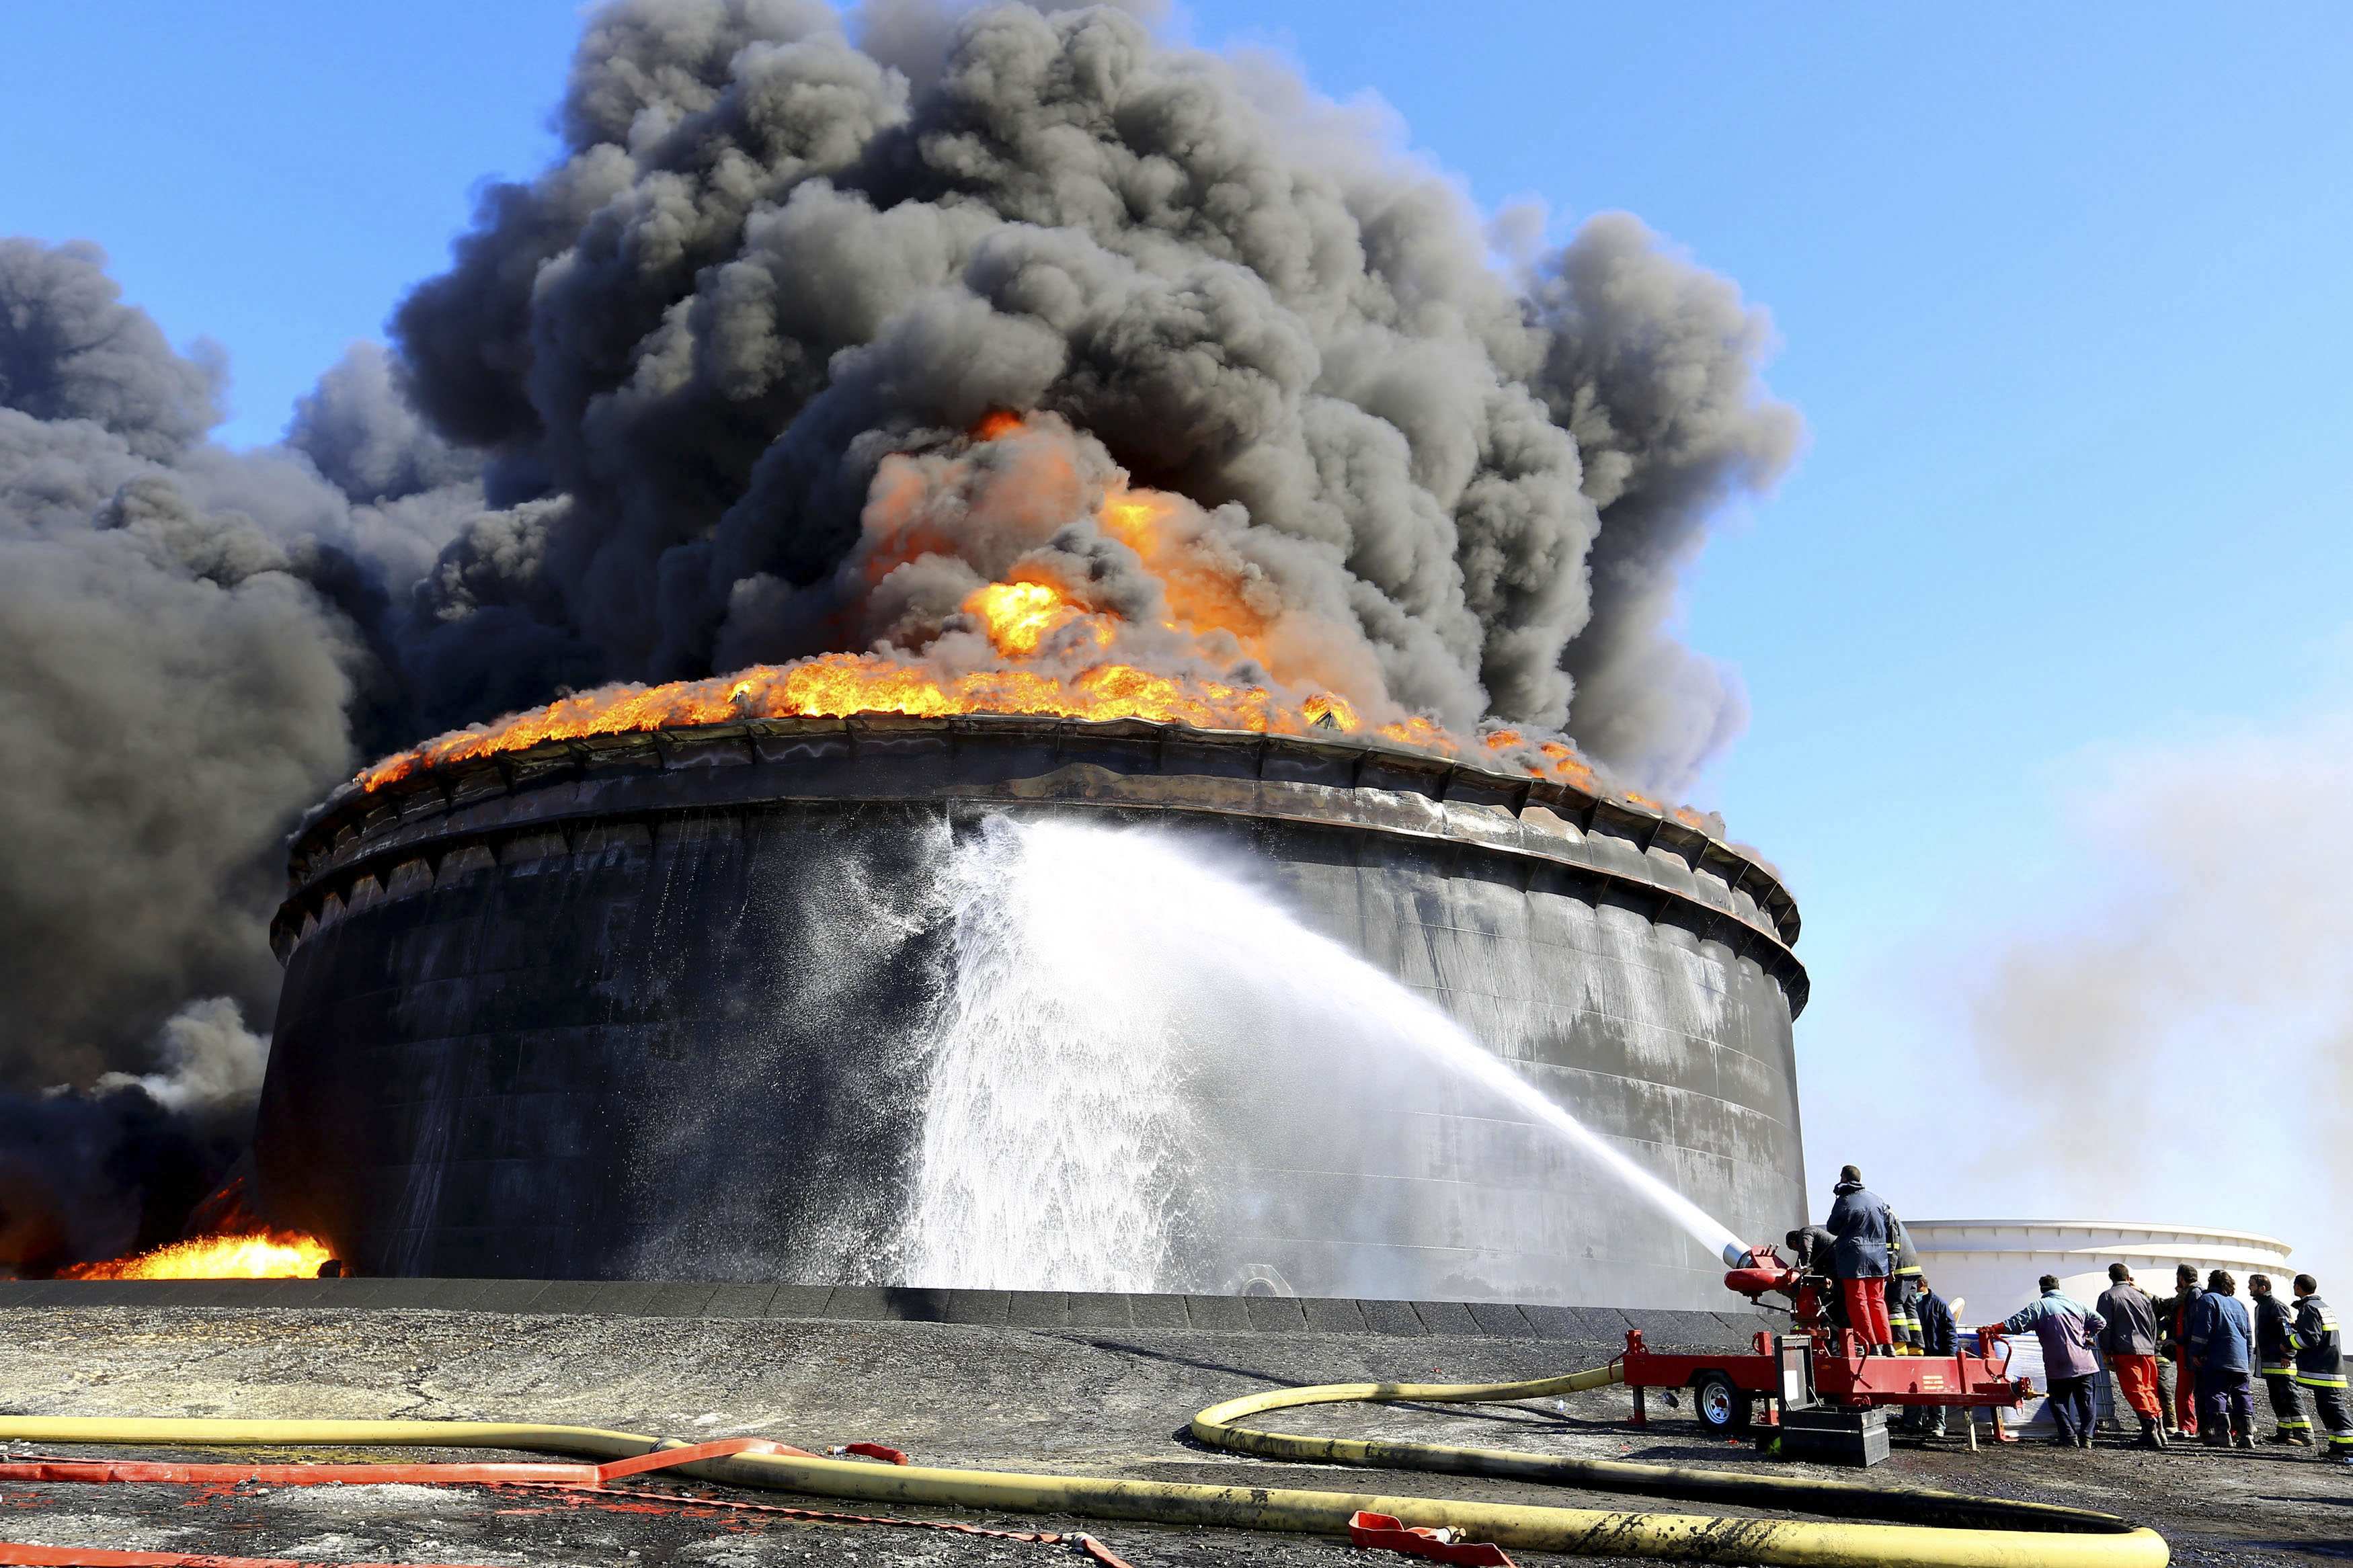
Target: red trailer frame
1727, 1385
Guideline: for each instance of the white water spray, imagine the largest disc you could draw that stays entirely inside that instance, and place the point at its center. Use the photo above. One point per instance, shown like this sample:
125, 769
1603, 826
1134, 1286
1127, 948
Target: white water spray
1110, 983
1055, 1108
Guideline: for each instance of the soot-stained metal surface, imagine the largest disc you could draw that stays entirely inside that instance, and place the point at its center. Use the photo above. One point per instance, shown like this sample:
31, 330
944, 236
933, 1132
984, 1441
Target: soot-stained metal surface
661, 1006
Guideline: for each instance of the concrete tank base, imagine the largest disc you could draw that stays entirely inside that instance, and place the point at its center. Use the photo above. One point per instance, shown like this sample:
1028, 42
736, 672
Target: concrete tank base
655, 1006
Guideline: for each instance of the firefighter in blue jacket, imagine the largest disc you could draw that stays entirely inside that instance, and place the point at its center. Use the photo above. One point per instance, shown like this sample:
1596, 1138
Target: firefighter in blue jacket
2320, 1366
1938, 1336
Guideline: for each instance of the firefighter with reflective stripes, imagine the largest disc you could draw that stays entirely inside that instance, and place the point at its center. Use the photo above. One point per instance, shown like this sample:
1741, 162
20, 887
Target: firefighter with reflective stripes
2275, 1359
1904, 1292
2320, 1366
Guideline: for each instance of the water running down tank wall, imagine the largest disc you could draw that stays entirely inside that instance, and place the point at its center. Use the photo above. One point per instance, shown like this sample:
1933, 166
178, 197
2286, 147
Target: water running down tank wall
686, 1005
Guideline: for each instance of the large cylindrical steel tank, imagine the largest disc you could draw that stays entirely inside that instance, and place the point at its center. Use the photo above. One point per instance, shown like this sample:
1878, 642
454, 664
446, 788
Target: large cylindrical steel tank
657, 1004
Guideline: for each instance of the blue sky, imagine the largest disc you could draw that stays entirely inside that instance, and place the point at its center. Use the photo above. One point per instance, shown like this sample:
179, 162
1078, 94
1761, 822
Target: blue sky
2064, 299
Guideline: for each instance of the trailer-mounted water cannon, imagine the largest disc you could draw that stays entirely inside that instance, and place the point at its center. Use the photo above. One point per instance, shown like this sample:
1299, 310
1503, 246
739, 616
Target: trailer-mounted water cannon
1734, 1393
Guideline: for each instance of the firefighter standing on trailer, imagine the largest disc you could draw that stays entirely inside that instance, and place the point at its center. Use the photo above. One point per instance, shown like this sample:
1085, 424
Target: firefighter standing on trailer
2275, 1360
2320, 1366
1863, 1224
1903, 1291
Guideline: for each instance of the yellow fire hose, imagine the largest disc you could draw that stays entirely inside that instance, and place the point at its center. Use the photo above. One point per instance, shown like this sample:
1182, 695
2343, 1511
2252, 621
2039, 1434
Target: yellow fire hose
2046, 1537
1216, 1425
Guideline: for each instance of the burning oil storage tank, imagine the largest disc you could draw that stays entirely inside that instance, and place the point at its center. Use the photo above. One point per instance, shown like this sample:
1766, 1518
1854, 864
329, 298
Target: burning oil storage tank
662, 1004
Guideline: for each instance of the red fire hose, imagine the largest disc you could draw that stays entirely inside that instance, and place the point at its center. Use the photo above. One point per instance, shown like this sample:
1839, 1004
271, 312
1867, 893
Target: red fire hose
573, 1478
14, 1554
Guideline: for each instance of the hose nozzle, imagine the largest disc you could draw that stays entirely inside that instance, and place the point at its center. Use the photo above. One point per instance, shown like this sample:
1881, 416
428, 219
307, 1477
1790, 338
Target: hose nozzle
1738, 1254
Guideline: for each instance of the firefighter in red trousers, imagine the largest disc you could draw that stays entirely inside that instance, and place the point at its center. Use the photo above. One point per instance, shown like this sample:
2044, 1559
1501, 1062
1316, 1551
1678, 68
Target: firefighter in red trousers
2173, 1321
1864, 1227
2320, 1366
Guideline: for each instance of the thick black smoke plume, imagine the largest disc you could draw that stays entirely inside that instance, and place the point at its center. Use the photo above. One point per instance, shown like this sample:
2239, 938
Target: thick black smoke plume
632, 433
185, 664
770, 257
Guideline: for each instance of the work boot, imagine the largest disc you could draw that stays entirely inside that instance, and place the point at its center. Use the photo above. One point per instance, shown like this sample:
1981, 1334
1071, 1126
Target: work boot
2151, 1438
2243, 1441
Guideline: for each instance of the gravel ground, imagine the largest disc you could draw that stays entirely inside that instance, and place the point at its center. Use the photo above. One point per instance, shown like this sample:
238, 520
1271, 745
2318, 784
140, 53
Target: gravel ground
1060, 1400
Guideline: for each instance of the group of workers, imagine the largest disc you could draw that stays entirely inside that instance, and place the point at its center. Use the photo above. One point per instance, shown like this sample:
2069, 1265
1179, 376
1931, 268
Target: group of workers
2184, 1365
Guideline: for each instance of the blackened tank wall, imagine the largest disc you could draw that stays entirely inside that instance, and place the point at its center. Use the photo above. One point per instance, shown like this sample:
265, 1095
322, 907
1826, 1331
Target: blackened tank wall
654, 1008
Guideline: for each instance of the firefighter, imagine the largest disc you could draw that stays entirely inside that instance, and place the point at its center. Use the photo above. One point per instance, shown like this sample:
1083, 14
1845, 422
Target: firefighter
2173, 1321
1904, 1292
2320, 1366
1810, 1249
2221, 1340
1938, 1336
2070, 1334
2275, 1359
2130, 1343
1863, 1224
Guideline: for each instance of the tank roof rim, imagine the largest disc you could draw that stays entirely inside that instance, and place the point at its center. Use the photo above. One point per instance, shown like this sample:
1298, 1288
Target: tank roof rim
2126, 1227
1652, 826
1365, 744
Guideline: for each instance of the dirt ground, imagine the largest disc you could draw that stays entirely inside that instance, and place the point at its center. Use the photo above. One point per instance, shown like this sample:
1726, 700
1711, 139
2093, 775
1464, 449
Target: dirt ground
1068, 1401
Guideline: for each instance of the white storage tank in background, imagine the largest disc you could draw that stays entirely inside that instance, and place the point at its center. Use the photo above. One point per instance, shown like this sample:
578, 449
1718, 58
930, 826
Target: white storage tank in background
1994, 1263
1991, 1265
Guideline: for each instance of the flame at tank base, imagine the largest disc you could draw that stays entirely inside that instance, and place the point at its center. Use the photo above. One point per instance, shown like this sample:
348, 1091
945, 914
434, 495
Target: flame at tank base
663, 1007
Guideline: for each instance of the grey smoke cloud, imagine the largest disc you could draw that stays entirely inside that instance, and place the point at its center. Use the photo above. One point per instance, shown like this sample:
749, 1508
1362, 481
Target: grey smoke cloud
1650, 367
170, 689
364, 439
193, 645
210, 1064
70, 350
116, 1168
779, 248
2189, 980
187, 641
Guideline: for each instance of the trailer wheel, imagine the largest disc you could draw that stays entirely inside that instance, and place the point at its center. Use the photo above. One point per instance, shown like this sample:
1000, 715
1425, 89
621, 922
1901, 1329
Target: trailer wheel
1721, 1406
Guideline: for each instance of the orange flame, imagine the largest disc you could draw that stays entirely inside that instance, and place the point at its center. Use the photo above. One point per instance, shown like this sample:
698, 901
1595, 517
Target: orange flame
836, 685
1571, 768
1021, 616
1199, 599
1055, 653
268, 1255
